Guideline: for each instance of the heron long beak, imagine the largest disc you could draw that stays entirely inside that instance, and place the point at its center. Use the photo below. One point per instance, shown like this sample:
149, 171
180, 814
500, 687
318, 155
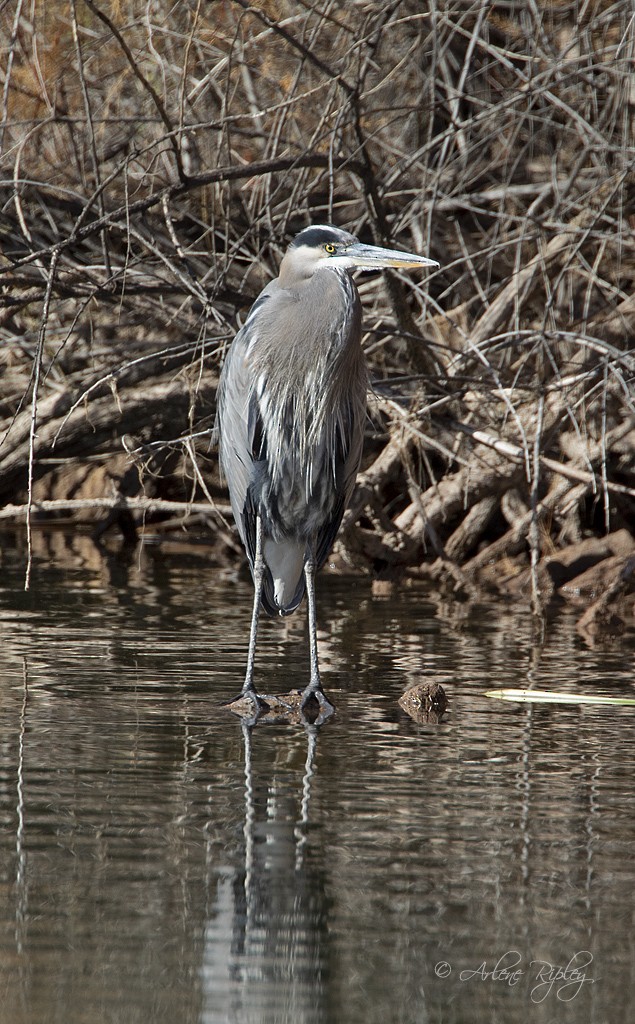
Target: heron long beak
373, 257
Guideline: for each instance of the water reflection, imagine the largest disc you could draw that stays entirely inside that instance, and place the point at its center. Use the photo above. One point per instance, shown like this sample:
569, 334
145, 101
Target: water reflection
160, 861
276, 904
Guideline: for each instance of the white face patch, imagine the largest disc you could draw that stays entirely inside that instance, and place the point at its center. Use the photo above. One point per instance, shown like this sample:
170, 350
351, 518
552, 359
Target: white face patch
307, 259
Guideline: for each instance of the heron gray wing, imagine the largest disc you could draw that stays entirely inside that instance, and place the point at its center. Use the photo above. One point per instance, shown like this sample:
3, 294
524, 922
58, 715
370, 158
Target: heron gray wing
350, 454
232, 421
241, 440
239, 424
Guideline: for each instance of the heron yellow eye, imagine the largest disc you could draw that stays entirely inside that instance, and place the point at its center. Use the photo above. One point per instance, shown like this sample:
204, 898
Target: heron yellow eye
329, 248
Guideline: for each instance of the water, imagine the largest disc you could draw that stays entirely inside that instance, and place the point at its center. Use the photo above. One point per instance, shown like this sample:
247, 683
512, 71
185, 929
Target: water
160, 863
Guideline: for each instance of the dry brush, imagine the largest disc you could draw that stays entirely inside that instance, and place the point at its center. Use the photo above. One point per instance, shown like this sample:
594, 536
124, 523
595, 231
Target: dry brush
156, 158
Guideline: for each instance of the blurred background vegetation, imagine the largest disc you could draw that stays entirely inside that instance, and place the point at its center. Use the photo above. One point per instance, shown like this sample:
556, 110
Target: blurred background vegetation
156, 159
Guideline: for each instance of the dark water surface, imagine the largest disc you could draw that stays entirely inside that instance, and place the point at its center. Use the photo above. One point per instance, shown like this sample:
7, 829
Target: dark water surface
158, 863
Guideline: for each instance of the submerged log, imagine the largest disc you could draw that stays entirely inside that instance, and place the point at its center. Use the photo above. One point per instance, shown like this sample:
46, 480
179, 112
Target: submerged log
276, 708
425, 702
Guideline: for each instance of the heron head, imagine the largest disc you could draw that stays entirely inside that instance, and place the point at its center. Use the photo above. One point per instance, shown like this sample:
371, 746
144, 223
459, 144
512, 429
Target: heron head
326, 247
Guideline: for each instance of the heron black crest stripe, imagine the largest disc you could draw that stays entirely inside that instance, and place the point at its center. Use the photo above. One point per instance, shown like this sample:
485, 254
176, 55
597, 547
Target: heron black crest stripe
320, 235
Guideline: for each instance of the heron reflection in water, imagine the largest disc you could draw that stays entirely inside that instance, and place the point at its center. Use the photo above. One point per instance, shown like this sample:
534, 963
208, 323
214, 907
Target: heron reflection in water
290, 420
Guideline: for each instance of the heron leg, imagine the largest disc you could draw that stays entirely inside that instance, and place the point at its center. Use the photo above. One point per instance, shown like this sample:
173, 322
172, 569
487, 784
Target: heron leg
260, 701
314, 689
249, 690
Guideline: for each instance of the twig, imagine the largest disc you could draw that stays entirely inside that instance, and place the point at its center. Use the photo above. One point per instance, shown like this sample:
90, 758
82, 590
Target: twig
145, 505
7, 70
36, 384
134, 67
534, 533
91, 133
234, 172
516, 454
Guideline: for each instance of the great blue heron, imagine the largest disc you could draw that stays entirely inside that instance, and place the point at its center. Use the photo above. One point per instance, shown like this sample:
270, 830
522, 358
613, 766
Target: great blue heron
291, 410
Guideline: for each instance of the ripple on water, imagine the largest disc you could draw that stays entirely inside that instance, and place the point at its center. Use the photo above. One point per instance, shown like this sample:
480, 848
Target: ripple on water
158, 863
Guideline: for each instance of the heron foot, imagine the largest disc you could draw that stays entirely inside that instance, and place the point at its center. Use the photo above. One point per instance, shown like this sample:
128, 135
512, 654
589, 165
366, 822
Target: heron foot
258, 704
315, 692
257, 700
